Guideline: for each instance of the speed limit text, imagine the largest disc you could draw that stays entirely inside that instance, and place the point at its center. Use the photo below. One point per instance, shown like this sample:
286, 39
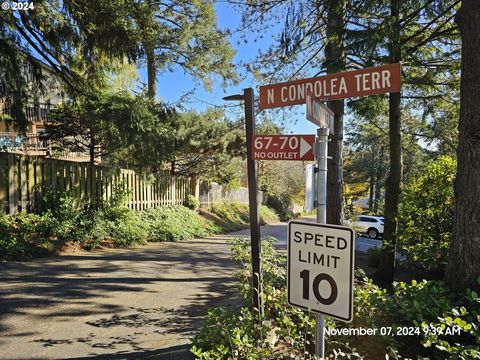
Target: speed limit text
319, 240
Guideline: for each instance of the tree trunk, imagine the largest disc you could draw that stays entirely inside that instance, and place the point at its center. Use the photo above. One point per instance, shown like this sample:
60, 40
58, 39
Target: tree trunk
463, 268
335, 62
91, 147
386, 268
151, 73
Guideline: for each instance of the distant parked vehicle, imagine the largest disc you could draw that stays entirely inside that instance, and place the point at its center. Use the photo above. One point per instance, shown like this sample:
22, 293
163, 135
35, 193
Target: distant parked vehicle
370, 225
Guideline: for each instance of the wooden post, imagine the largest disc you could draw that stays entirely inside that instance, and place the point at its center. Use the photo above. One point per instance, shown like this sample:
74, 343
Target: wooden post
22, 176
12, 184
3, 183
31, 205
174, 189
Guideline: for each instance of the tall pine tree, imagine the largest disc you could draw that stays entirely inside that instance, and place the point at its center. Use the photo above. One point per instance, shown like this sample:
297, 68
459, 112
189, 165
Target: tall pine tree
463, 269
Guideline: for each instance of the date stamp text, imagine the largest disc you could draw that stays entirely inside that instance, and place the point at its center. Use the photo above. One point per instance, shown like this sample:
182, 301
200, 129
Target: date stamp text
395, 331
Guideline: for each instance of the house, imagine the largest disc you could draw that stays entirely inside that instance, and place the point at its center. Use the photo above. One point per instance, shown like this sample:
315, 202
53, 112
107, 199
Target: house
52, 92
41, 100
36, 111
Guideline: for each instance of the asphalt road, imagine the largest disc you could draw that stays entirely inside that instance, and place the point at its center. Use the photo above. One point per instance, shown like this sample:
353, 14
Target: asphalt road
141, 303
279, 231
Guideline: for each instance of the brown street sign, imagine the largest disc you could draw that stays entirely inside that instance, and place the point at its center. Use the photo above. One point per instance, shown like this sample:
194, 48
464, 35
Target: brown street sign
369, 81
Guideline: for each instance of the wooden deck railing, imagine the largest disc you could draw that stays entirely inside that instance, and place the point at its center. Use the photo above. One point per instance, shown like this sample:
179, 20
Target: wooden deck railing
15, 141
35, 113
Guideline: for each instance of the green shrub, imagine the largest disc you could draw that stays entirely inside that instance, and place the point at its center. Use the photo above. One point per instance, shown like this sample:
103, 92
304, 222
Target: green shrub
62, 220
119, 226
232, 216
242, 334
281, 203
31, 235
267, 215
23, 237
60, 204
286, 332
426, 215
174, 223
191, 202
114, 222
233, 213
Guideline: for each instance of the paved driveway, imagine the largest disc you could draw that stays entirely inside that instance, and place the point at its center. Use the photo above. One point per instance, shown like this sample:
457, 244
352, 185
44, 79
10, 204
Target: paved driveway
137, 303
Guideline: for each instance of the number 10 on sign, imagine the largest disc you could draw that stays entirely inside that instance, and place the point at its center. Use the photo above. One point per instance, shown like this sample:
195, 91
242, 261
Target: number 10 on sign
320, 268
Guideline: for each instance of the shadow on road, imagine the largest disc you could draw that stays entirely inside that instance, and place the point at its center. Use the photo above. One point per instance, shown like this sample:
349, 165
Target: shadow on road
124, 303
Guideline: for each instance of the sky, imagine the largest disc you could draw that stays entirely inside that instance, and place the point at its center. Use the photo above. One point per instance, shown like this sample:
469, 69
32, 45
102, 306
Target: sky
171, 86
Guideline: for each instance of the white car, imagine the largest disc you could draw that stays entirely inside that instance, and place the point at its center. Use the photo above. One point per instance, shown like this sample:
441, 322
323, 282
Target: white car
370, 225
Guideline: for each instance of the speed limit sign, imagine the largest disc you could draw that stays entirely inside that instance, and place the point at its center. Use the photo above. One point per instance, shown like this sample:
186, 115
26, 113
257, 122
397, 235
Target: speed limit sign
320, 268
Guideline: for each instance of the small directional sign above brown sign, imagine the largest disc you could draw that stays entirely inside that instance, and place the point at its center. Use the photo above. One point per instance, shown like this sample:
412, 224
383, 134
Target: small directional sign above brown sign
369, 81
319, 113
283, 147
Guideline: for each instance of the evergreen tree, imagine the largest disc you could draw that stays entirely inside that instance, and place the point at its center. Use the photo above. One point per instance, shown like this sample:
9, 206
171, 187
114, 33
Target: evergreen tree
184, 34
421, 35
105, 124
463, 269
74, 38
79, 39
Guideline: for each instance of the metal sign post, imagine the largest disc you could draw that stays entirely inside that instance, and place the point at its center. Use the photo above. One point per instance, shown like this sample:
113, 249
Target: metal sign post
322, 152
249, 103
339, 304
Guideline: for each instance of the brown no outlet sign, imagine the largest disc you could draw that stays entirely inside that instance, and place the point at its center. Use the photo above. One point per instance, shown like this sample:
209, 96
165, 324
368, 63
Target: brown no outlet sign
283, 147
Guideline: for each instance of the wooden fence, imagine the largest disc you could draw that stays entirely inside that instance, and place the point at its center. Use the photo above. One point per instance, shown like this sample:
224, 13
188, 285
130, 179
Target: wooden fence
213, 193
24, 181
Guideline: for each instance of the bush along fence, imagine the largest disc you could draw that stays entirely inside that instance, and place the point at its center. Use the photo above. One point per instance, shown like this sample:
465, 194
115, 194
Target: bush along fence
24, 180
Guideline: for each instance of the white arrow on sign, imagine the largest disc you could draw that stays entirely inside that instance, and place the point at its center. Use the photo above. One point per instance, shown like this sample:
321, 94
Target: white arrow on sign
304, 147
